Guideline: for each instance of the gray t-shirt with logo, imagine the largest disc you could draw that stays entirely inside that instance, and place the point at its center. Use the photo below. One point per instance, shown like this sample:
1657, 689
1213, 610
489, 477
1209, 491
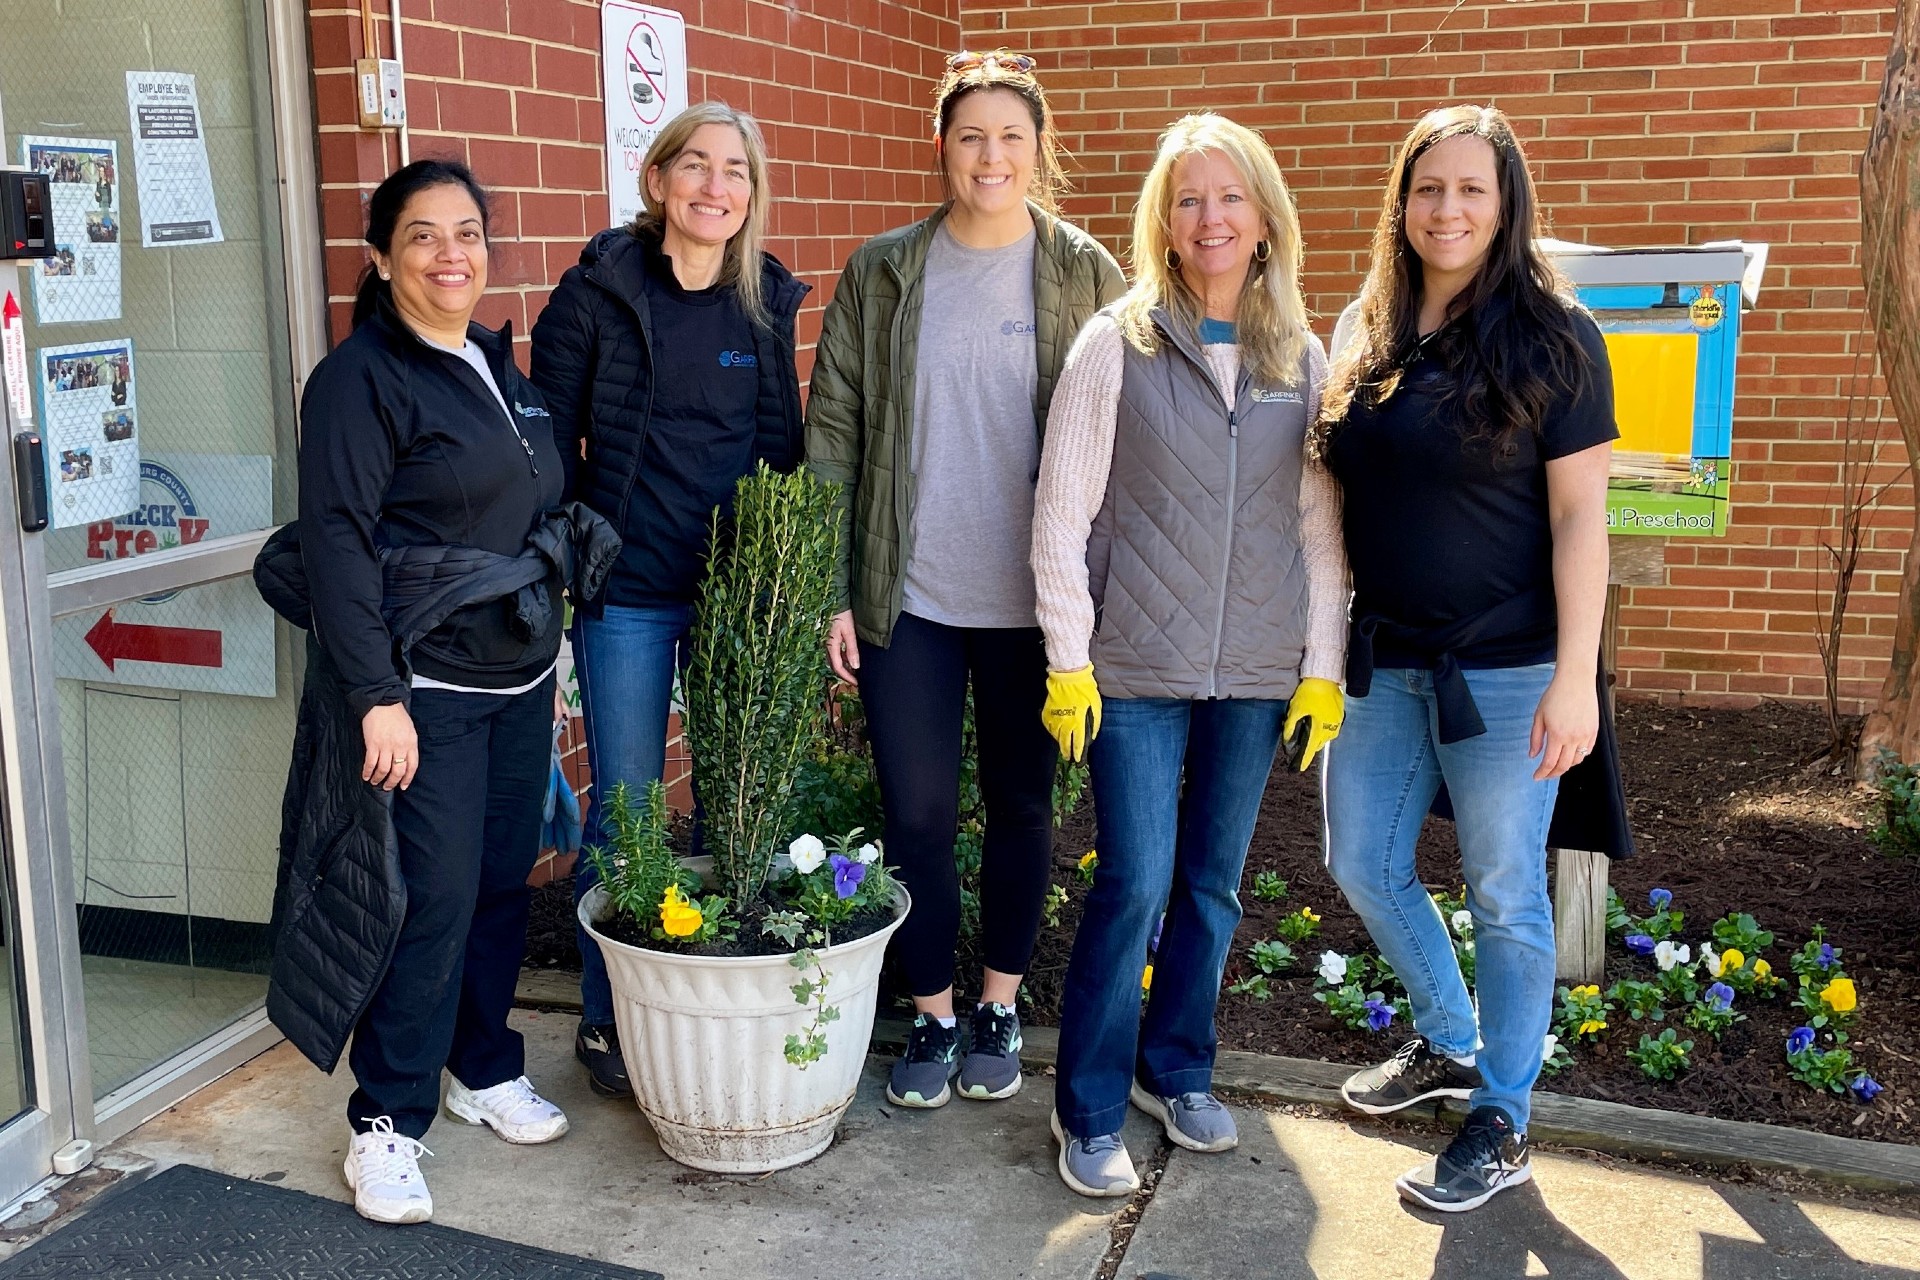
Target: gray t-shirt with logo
976, 448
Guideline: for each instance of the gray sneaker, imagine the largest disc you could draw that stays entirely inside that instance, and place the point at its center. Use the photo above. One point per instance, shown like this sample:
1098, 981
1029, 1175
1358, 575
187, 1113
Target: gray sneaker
1195, 1121
1097, 1166
991, 1068
920, 1078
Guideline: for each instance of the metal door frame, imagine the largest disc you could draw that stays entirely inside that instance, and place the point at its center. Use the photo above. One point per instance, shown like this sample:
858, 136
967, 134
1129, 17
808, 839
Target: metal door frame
33, 801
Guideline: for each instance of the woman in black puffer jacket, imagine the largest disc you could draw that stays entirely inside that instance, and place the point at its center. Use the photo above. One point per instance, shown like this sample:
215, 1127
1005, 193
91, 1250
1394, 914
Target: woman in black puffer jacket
667, 358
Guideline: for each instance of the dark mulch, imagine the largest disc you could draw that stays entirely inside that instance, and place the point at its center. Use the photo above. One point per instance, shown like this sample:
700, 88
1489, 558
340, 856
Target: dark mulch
1728, 816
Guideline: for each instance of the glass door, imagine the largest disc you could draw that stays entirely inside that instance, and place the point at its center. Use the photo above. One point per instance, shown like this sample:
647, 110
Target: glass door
165, 344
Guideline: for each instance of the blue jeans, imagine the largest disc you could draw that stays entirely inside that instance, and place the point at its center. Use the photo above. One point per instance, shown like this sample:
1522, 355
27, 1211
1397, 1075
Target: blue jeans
1380, 778
1162, 842
624, 661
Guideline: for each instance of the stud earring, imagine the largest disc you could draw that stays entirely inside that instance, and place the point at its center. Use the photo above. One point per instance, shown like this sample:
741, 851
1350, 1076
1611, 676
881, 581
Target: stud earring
1262, 251
1173, 259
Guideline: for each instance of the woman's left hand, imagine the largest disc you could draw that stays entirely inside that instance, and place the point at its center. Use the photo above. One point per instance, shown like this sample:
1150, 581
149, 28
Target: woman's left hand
1565, 725
559, 704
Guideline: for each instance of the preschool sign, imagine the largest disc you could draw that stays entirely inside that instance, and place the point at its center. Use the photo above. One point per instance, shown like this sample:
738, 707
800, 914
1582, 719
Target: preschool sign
216, 638
1671, 319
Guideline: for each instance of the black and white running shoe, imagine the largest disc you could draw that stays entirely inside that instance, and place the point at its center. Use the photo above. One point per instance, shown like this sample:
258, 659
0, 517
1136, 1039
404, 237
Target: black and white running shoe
1484, 1159
1415, 1074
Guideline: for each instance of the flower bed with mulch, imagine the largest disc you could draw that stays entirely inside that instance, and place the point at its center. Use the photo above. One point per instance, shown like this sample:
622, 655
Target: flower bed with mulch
1729, 818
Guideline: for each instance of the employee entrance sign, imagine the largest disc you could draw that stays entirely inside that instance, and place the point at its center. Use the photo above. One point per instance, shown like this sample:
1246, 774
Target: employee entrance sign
643, 65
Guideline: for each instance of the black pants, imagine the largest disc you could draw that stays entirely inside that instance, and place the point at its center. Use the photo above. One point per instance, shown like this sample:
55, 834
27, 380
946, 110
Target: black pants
915, 696
468, 831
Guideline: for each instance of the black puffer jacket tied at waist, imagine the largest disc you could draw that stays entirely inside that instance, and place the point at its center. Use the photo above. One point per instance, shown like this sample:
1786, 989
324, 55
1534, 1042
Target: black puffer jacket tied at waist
339, 899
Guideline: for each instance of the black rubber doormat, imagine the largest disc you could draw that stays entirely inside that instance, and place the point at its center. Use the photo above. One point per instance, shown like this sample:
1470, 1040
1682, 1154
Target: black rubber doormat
193, 1224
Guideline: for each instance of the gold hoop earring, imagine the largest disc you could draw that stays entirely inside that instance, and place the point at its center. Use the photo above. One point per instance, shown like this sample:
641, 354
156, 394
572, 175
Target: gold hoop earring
1262, 251
1173, 259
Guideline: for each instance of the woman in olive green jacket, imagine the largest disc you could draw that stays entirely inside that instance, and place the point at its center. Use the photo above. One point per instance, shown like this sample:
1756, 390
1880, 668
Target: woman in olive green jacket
930, 388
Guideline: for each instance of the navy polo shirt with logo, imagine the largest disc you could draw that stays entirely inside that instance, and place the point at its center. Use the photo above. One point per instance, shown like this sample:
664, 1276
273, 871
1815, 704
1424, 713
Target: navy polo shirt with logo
700, 438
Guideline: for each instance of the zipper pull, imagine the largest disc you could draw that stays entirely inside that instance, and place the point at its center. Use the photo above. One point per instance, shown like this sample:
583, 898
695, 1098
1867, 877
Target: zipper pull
1233, 422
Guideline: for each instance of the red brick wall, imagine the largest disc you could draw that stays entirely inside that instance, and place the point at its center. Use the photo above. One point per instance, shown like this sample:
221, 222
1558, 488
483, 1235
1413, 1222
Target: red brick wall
513, 88
1649, 122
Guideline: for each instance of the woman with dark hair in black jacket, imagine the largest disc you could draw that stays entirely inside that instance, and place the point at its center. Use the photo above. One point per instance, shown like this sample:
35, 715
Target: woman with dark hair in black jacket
423, 447
667, 357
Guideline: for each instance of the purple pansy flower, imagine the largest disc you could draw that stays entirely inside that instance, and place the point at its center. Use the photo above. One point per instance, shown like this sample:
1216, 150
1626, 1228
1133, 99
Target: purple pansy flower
1800, 1039
1866, 1088
1661, 899
847, 875
1379, 1015
1153, 947
1720, 996
1640, 944
1825, 958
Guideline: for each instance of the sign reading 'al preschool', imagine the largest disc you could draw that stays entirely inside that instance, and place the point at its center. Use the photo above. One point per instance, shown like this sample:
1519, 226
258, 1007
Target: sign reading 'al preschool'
643, 59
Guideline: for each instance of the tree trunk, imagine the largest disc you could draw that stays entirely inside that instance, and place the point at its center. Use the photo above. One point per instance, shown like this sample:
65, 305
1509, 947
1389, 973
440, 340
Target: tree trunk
1890, 268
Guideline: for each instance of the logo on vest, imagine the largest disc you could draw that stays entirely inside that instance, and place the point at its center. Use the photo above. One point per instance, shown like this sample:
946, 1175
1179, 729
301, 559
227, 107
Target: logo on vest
530, 410
739, 360
1016, 327
1273, 395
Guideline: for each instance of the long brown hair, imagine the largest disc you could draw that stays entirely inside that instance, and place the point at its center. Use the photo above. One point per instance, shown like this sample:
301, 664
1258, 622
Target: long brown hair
741, 266
969, 73
1502, 384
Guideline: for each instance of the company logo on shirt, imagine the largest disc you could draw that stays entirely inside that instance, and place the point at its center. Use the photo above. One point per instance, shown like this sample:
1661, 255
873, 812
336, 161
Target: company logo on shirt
530, 411
1012, 327
739, 360
1271, 395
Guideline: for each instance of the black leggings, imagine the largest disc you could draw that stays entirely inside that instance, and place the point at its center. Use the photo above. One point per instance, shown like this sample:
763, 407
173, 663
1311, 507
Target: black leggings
915, 692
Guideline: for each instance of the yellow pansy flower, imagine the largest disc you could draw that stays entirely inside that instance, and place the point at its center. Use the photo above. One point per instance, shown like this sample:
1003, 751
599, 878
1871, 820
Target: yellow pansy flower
1761, 969
1087, 860
1839, 995
1146, 979
678, 917
1592, 1026
1730, 959
1586, 991
1306, 913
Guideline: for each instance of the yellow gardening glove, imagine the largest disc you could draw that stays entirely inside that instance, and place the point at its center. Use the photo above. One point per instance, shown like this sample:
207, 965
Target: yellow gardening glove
1072, 697
1319, 702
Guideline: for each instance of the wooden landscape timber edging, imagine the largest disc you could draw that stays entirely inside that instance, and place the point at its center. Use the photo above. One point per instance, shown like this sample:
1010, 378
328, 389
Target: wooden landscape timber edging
1589, 1123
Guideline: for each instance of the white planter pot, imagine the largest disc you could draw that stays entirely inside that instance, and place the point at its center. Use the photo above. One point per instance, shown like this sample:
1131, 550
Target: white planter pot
704, 1039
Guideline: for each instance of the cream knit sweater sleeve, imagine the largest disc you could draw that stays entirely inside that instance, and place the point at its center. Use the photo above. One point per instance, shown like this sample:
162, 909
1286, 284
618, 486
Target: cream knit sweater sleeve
1073, 483
1074, 465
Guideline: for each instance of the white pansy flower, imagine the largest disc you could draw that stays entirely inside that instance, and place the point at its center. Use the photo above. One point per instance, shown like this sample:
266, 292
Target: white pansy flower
1710, 959
1667, 955
1463, 922
807, 853
1333, 968
1548, 1046
868, 854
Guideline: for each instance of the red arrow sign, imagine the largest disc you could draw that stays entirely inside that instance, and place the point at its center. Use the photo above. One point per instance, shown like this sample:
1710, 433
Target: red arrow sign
181, 646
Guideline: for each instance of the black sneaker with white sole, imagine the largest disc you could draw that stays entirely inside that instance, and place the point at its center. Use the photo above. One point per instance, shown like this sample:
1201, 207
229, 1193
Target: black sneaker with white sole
920, 1078
598, 1048
1415, 1074
1484, 1159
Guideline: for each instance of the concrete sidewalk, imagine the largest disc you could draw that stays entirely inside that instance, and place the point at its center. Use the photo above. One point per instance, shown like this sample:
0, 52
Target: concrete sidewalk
970, 1191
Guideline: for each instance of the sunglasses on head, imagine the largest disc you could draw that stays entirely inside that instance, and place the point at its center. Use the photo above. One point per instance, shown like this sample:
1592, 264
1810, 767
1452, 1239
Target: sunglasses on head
967, 60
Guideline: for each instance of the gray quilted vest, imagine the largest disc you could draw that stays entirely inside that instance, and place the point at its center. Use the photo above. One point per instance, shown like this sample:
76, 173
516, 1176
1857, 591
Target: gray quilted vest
1195, 561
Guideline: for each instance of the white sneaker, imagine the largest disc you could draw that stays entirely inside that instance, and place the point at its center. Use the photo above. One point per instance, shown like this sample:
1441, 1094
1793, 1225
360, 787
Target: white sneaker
383, 1168
511, 1109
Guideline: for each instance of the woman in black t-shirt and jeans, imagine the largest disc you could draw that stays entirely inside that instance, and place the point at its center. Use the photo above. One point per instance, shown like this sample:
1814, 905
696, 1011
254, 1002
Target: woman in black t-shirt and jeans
1469, 420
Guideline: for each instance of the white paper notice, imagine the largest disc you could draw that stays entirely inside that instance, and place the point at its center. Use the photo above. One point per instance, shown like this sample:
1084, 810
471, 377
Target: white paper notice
170, 160
93, 441
81, 281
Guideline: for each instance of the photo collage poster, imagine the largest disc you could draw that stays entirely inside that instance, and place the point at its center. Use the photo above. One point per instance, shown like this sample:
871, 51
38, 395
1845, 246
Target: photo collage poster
90, 417
81, 281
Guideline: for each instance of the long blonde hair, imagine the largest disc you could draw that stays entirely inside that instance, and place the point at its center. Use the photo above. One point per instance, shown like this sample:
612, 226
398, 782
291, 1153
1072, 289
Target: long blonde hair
1272, 321
741, 268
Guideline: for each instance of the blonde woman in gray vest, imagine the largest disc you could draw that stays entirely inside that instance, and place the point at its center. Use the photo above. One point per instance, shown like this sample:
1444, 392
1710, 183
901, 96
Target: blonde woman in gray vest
1192, 589
937, 359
